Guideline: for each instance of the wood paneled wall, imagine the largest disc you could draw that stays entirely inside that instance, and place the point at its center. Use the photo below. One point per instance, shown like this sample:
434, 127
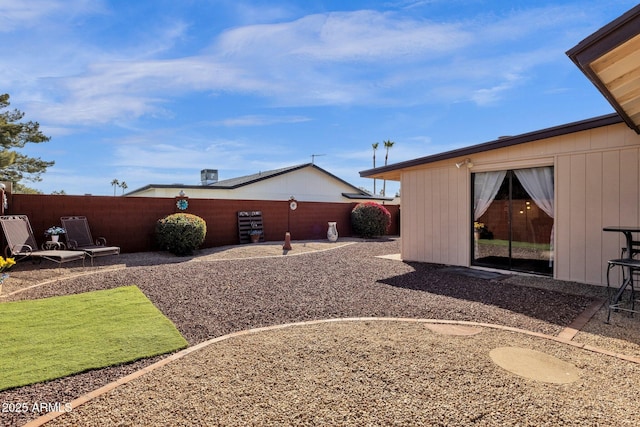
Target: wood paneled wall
597, 183
436, 215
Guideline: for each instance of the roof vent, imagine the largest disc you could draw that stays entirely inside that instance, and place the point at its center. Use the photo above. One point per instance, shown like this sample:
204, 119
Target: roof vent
208, 176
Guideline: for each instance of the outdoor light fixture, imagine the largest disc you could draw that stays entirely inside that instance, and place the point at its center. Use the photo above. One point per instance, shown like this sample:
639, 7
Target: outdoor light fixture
467, 162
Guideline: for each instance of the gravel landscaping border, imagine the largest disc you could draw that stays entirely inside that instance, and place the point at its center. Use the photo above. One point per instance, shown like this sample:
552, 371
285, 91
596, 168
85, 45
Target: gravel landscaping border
209, 295
369, 372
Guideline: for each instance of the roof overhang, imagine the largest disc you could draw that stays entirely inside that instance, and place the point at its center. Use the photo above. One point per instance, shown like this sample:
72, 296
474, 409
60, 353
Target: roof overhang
610, 58
365, 196
394, 171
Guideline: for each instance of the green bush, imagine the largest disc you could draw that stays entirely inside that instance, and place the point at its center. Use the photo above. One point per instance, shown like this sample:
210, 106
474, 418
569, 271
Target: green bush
370, 219
180, 233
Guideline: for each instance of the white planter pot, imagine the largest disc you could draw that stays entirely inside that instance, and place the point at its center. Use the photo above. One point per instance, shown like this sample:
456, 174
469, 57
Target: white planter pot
332, 232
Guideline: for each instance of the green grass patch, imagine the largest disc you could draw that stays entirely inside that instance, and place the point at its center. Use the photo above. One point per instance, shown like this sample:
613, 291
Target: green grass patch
529, 245
55, 337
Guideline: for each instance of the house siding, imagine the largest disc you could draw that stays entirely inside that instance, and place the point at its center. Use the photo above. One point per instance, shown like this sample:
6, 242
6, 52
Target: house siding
597, 183
307, 184
435, 216
598, 189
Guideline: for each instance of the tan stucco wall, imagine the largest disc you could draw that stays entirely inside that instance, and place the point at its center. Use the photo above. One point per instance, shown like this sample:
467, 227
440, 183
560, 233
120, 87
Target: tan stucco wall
597, 183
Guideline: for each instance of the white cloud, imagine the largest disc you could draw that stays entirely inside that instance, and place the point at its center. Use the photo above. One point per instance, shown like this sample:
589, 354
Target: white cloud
260, 120
157, 151
491, 95
344, 36
343, 58
410, 4
30, 14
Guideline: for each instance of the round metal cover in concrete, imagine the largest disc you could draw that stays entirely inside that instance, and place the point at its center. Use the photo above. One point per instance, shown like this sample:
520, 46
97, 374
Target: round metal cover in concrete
535, 365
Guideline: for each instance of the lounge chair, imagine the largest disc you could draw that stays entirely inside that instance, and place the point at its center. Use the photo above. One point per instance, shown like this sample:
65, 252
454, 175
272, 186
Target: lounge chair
22, 244
79, 238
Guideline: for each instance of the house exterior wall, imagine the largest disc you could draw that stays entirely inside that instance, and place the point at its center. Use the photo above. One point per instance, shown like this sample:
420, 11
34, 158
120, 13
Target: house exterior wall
307, 185
597, 183
434, 215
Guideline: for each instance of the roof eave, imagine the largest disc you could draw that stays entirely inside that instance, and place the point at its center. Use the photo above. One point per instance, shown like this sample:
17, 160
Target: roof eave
606, 39
363, 196
565, 129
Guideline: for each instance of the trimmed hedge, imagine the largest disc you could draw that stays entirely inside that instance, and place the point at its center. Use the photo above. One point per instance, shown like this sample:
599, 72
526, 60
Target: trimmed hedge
180, 233
370, 219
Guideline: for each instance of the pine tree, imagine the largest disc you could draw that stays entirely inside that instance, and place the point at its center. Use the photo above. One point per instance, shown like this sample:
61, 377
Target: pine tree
15, 166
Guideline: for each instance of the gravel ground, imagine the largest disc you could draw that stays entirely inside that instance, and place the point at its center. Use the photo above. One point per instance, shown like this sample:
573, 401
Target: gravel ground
366, 373
218, 292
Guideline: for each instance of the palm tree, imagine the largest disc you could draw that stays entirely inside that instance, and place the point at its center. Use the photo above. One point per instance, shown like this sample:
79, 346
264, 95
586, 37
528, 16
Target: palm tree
124, 186
387, 144
375, 147
115, 183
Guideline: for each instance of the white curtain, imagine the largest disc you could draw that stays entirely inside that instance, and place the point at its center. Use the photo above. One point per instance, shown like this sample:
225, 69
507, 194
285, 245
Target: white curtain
485, 188
538, 182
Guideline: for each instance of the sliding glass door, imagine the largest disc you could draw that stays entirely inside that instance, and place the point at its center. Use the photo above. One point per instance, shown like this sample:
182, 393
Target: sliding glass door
513, 223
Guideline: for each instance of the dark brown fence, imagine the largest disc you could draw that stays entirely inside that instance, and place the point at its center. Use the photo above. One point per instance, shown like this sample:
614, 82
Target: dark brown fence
528, 222
129, 222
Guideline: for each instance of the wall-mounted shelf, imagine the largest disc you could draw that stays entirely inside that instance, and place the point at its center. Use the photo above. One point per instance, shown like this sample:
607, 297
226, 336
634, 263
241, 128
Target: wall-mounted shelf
248, 221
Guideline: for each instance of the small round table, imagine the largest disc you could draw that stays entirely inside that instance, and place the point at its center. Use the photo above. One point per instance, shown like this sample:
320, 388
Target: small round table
53, 246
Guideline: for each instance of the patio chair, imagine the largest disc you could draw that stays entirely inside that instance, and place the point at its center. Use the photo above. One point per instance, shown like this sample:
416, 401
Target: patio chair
635, 251
79, 238
22, 244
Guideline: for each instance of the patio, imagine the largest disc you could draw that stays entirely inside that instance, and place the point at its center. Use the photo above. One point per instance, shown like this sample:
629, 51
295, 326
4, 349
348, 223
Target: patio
345, 372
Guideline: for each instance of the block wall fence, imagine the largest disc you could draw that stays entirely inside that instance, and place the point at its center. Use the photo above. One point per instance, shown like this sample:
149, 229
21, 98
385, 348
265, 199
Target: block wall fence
129, 222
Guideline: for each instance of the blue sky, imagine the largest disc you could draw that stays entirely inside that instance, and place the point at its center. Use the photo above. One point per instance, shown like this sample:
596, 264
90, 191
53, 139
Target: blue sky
151, 92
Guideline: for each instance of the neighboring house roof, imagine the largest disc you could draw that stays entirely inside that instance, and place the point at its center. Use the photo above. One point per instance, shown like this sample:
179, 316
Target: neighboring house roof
261, 176
610, 58
392, 172
242, 181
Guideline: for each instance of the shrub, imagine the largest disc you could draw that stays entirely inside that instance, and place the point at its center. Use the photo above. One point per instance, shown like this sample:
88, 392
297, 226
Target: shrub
370, 219
180, 233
